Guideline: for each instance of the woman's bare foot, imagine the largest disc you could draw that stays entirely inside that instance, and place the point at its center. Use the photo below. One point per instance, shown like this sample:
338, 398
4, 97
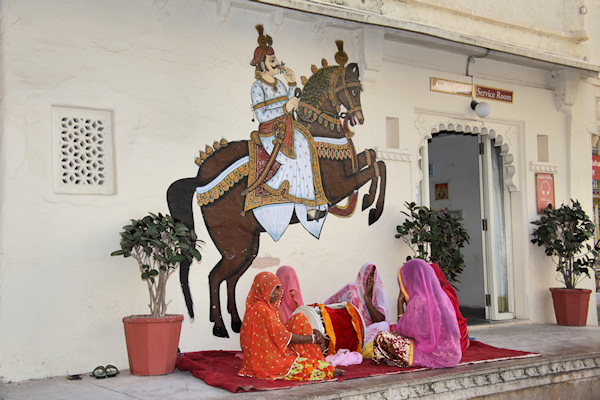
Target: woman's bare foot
338, 372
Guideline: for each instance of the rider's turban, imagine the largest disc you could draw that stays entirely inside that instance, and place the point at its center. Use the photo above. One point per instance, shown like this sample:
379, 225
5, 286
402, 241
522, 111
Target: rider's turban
264, 47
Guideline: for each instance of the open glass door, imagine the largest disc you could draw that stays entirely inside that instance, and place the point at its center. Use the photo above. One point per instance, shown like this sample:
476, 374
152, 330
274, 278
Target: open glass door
498, 268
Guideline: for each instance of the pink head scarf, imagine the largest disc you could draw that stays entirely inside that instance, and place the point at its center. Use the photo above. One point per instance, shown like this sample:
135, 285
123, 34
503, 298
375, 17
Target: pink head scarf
354, 293
289, 281
429, 319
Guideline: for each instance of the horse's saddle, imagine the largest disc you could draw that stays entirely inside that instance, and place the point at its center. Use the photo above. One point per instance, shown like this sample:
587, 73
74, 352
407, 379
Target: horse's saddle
262, 167
257, 164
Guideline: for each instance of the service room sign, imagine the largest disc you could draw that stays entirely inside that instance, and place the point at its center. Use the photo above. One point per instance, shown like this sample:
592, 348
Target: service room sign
544, 184
494, 94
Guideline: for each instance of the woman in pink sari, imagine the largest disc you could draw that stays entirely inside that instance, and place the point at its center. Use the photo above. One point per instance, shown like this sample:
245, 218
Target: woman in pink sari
367, 294
427, 334
462, 321
292, 297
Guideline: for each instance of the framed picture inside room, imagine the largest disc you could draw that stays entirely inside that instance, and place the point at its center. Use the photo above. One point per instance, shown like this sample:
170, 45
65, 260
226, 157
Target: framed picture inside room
441, 191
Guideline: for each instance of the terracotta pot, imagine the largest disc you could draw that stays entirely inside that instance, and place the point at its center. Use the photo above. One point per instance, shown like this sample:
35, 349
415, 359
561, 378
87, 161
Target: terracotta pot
152, 343
571, 305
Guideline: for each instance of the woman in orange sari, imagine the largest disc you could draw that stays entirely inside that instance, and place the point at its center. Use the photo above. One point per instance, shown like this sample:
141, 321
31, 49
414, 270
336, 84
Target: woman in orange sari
273, 350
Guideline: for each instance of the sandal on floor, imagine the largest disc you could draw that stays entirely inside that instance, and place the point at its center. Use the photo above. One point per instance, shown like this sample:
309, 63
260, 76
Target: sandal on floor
111, 371
99, 372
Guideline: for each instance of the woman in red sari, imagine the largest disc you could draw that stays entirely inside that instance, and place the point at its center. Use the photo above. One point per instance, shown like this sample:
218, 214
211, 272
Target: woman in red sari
462, 322
273, 350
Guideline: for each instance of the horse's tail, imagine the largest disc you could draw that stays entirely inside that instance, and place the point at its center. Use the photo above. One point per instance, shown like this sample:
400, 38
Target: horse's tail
179, 199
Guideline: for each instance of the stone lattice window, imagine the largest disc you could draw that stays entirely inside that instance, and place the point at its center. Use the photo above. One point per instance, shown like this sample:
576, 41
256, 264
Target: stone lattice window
83, 159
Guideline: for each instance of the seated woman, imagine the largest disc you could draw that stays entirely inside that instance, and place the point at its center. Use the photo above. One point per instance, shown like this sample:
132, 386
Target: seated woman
462, 322
367, 294
427, 334
292, 297
273, 350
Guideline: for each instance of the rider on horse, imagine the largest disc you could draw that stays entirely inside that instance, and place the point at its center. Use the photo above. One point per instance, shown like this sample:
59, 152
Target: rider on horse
284, 173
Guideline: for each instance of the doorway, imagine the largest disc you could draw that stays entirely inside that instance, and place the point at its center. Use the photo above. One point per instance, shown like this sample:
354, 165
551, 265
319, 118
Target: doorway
465, 177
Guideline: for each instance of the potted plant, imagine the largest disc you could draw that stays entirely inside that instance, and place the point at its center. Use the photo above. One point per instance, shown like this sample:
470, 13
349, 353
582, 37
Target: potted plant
564, 233
159, 244
436, 237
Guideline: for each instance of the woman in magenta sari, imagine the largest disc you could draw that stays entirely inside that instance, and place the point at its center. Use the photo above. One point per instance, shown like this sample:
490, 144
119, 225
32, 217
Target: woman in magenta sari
462, 321
292, 297
427, 333
367, 294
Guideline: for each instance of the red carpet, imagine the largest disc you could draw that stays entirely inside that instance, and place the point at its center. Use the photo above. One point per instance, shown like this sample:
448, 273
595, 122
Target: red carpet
219, 368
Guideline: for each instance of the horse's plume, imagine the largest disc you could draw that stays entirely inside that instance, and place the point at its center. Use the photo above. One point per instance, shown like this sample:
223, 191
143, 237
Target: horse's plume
341, 57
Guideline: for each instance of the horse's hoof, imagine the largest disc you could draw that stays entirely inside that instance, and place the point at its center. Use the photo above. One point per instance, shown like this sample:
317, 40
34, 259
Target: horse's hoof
236, 326
220, 331
366, 202
374, 215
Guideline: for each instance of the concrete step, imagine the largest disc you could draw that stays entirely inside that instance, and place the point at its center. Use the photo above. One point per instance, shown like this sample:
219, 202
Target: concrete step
574, 377
568, 368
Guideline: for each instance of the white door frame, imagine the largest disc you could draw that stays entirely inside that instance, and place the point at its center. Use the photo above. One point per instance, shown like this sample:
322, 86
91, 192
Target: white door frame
507, 135
491, 270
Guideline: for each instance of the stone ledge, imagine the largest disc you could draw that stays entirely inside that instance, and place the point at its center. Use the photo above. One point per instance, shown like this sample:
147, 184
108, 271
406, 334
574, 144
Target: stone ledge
499, 377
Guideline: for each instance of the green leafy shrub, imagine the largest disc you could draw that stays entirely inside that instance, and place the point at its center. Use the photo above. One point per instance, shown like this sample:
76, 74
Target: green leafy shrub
159, 244
435, 236
564, 233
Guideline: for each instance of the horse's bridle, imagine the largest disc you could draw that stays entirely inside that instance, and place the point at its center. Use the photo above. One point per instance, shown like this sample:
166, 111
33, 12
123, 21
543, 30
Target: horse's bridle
328, 119
340, 74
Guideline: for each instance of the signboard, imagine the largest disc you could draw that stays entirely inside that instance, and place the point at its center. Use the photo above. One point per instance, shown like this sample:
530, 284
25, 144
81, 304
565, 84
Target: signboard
596, 168
467, 89
451, 87
494, 94
544, 186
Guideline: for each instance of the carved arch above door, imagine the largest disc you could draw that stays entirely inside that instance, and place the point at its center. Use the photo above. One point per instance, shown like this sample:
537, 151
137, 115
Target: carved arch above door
507, 135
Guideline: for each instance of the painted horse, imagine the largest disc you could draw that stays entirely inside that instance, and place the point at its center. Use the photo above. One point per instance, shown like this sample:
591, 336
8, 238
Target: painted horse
236, 233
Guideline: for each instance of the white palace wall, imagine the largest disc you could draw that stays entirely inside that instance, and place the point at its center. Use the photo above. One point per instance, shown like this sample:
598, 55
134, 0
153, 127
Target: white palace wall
175, 76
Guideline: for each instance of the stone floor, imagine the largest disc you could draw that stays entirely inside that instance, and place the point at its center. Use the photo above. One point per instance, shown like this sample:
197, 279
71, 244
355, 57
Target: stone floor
570, 359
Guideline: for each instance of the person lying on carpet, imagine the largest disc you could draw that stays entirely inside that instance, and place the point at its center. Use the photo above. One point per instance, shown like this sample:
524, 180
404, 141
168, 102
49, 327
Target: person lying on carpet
273, 350
290, 287
367, 294
427, 333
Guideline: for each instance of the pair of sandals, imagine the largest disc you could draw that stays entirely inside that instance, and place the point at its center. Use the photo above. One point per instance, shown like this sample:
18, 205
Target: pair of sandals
101, 372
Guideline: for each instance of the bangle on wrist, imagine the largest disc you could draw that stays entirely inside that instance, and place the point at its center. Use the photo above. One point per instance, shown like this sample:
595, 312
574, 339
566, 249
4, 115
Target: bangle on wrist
314, 338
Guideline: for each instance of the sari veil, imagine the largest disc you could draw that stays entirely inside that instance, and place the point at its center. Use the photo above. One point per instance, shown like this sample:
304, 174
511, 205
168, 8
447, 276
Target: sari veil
429, 318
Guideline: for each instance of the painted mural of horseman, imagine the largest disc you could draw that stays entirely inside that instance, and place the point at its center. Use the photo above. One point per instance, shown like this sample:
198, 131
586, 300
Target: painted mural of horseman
290, 171
286, 152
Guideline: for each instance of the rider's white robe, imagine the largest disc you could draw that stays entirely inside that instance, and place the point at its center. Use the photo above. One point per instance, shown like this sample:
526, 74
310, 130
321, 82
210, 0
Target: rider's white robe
268, 101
